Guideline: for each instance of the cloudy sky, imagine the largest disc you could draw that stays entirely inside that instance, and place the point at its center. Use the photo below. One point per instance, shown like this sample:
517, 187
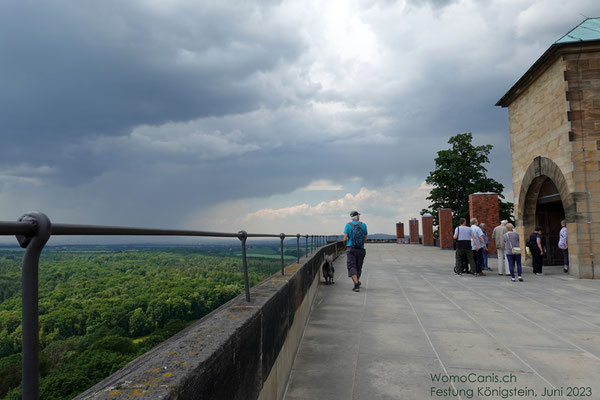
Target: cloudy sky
268, 116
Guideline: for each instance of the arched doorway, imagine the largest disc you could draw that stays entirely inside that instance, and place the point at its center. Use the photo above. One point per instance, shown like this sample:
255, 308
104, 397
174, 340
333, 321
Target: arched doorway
548, 214
544, 201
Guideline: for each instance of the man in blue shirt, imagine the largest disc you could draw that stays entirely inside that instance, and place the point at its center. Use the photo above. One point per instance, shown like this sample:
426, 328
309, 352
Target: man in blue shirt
355, 236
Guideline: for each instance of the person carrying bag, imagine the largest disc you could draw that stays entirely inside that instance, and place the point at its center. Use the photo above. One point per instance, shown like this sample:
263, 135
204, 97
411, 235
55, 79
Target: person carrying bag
513, 252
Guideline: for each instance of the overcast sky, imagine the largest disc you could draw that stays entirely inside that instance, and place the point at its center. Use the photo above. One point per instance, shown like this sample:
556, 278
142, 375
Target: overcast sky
266, 116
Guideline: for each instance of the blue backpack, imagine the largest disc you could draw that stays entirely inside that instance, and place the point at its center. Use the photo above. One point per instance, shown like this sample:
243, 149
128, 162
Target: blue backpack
358, 235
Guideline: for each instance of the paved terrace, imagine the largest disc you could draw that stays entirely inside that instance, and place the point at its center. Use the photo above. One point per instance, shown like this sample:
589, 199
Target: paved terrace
414, 317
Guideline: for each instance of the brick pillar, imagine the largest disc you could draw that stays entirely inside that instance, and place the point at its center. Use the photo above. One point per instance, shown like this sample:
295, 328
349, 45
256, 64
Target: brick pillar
400, 232
427, 222
413, 231
445, 229
484, 207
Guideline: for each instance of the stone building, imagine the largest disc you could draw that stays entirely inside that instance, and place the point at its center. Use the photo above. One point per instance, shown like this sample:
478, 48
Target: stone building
554, 118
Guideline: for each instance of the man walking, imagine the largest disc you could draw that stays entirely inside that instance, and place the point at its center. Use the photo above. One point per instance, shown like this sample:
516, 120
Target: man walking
498, 235
355, 236
477, 245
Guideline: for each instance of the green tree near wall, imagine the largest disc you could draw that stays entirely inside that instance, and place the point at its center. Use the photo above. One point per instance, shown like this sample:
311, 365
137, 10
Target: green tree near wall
459, 172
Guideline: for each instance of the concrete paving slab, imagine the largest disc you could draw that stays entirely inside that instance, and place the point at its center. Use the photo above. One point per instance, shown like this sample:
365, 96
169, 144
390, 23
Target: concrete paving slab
413, 318
391, 377
574, 368
401, 340
480, 383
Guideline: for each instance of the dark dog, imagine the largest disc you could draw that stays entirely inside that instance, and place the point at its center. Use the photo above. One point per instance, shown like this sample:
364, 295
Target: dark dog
328, 270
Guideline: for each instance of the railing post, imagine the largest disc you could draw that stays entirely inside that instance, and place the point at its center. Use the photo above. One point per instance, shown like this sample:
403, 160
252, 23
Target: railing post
312, 238
298, 247
243, 235
306, 246
30, 324
282, 236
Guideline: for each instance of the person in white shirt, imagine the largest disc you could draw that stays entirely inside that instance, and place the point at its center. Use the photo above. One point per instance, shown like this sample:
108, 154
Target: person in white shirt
477, 246
463, 236
563, 244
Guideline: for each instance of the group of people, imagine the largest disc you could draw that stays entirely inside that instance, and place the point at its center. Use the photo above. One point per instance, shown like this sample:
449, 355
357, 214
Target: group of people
471, 249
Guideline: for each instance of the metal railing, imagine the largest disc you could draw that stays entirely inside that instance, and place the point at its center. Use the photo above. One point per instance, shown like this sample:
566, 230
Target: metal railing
34, 229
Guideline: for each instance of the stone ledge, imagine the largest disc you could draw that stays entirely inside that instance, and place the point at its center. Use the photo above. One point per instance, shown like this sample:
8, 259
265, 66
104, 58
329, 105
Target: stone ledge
229, 353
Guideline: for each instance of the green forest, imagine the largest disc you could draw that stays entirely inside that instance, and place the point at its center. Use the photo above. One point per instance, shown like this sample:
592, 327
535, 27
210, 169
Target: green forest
101, 307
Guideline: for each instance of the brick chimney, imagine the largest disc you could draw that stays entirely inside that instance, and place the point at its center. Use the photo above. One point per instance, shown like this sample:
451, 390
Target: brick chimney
427, 222
445, 228
484, 207
413, 231
399, 232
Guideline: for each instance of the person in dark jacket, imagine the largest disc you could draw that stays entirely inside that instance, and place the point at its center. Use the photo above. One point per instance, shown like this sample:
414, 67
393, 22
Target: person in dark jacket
537, 250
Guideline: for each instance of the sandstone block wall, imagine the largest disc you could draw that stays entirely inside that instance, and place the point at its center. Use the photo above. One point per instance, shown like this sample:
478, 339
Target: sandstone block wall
555, 133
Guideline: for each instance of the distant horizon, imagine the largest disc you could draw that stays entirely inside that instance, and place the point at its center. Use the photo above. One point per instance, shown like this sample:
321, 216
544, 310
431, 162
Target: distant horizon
205, 241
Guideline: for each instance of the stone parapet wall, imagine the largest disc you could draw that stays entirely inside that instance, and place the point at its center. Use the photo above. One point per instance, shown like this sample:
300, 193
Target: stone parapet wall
239, 351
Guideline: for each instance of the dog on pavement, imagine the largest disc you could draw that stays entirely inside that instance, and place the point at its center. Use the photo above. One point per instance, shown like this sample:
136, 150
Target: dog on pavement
328, 270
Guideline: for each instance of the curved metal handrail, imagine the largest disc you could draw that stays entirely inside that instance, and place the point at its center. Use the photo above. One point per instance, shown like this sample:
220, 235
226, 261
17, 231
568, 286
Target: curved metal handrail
34, 229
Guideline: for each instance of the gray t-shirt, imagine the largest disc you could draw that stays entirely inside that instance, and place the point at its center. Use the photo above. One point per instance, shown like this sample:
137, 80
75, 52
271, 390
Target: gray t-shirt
464, 233
511, 239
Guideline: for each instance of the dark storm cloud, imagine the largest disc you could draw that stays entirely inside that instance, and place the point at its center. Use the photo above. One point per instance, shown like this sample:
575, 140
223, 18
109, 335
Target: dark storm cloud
147, 112
71, 70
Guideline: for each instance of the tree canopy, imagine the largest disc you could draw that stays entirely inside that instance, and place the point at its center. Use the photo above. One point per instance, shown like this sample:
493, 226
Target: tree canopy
101, 308
460, 171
